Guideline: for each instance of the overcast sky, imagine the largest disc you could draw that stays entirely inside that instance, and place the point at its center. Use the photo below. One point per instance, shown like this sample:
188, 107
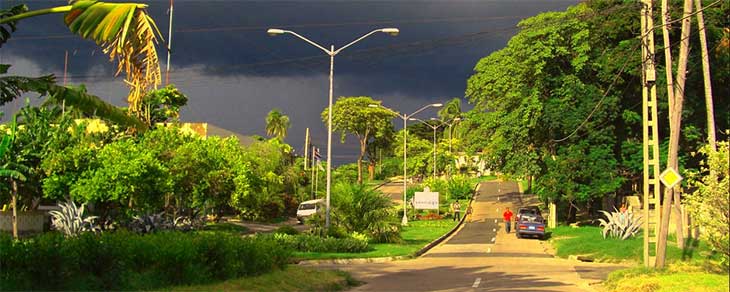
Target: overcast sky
234, 73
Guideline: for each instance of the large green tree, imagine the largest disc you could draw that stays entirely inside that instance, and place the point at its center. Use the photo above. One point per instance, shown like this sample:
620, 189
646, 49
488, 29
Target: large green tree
355, 116
561, 101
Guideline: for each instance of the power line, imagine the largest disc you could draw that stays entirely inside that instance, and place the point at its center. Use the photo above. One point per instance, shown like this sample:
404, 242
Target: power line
307, 25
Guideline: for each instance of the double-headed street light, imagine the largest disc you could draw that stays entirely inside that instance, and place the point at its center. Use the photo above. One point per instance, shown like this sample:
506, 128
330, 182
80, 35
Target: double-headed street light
405, 118
330, 52
451, 123
434, 128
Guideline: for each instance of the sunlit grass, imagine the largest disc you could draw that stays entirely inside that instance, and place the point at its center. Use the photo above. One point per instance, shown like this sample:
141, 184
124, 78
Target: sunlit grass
293, 278
589, 241
677, 277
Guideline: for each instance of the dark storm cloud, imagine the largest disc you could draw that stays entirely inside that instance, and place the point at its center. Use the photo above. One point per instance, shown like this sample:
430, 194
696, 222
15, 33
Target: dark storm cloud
234, 73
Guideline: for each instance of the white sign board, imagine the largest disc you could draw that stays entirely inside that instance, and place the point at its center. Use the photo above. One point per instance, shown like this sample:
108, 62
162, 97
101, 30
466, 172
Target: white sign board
426, 200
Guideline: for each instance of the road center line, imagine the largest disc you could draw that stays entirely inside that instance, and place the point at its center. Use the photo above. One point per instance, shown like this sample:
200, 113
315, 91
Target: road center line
476, 283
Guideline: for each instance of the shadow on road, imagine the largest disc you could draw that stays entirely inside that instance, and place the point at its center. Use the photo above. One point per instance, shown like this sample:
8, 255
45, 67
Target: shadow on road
444, 277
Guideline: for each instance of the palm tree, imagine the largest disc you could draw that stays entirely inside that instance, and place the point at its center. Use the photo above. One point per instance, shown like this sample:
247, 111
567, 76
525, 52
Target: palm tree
451, 109
124, 30
277, 124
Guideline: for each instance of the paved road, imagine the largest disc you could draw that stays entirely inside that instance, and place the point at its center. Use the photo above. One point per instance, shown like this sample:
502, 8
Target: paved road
482, 257
394, 190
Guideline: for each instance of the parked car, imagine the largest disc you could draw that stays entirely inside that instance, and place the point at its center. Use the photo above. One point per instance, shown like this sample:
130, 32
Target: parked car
530, 223
309, 208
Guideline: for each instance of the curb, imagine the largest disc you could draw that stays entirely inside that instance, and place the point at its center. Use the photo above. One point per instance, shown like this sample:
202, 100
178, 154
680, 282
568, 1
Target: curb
353, 261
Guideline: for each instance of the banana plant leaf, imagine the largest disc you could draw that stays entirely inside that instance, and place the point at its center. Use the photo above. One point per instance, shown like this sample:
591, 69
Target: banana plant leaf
124, 31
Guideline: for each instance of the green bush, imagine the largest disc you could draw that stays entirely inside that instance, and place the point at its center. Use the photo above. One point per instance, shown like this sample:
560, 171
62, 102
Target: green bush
345, 173
286, 229
460, 188
313, 243
360, 208
390, 167
126, 261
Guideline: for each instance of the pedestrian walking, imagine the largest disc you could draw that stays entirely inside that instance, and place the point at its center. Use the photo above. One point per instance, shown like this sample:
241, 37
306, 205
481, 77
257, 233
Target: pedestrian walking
507, 215
456, 208
468, 213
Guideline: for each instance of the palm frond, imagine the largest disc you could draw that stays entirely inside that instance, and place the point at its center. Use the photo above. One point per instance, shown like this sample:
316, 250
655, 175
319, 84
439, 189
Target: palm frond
7, 28
91, 104
14, 174
128, 35
11, 87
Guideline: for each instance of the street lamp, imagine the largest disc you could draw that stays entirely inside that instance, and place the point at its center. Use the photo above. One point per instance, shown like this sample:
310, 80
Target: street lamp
331, 52
434, 127
452, 122
405, 118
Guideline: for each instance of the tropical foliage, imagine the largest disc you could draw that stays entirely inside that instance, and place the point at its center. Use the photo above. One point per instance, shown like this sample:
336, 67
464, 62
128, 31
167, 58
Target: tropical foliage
621, 225
710, 204
277, 124
360, 208
70, 220
360, 117
127, 261
559, 102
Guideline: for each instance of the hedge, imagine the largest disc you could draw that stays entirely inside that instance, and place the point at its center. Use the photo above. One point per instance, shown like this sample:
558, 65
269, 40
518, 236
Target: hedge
126, 261
313, 243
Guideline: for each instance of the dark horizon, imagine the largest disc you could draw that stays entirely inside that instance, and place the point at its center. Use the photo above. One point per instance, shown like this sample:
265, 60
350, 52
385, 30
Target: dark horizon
234, 73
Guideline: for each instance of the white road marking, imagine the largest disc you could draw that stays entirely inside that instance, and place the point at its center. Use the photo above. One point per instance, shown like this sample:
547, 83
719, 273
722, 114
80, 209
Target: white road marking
495, 220
489, 250
494, 229
494, 239
476, 283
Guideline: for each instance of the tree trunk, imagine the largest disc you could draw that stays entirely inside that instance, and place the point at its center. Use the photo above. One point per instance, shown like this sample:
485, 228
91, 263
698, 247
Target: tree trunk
363, 148
711, 139
15, 207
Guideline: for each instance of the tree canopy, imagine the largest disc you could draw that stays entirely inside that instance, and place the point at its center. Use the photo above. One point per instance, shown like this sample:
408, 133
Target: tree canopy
355, 116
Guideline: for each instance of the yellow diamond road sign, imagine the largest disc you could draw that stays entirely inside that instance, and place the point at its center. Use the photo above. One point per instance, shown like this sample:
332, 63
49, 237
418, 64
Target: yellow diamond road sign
670, 177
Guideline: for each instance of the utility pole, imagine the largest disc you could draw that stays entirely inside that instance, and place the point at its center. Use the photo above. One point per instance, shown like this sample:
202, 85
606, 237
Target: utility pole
711, 139
169, 45
306, 149
65, 69
650, 136
313, 177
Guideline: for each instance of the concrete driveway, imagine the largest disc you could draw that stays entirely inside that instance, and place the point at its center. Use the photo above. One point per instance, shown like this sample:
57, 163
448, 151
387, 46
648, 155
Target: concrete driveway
482, 257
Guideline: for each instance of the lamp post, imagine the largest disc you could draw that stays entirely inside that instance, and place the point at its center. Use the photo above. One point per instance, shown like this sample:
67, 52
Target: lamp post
405, 118
434, 128
331, 52
453, 121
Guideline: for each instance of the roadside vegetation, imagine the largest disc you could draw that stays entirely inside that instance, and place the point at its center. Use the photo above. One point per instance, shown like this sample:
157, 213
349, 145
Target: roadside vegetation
292, 278
415, 236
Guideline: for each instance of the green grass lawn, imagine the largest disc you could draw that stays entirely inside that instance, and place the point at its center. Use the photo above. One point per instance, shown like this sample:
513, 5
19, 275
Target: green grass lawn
415, 236
692, 269
476, 180
293, 278
677, 277
225, 227
587, 240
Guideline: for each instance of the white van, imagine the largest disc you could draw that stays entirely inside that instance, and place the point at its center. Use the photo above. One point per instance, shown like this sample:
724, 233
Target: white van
308, 208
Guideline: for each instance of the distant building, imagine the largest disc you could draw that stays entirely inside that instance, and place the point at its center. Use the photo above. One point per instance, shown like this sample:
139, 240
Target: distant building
206, 130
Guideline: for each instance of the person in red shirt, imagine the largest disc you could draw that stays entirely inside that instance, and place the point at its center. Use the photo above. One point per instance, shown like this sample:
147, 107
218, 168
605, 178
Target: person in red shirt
507, 219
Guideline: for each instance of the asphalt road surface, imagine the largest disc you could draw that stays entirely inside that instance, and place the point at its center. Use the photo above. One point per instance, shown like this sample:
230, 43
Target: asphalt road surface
482, 257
